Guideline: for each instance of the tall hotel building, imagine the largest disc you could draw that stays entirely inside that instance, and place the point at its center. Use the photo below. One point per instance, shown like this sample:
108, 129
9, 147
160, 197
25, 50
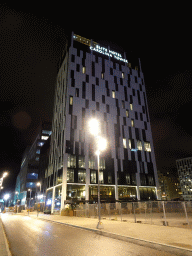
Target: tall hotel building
98, 82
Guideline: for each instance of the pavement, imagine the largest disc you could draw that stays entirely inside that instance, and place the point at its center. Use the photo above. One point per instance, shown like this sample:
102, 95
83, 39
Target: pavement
4, 244
173, 239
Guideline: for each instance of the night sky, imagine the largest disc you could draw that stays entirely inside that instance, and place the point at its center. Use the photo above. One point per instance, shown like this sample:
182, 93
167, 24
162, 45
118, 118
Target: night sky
31, 41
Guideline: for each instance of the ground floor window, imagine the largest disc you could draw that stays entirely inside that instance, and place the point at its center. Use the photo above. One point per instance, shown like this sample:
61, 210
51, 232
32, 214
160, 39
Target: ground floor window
58, 192
106, 193
127, 193
48, 202
76, 192
147, 193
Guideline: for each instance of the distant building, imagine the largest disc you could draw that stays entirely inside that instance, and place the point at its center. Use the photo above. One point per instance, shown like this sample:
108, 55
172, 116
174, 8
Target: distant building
184, 167
169, 185
29, 173
98, 82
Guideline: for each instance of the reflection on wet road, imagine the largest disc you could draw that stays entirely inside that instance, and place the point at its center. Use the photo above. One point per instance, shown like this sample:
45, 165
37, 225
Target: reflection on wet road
29, 236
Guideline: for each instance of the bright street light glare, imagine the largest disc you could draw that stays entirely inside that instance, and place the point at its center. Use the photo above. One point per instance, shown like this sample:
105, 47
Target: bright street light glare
5, 174
6, 196
94, 126
102, 144
38, 184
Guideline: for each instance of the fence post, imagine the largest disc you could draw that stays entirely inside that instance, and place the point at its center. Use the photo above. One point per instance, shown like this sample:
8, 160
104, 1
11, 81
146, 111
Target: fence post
134, 211
121, 211
164, 213
151, 211
184, 206
145, 212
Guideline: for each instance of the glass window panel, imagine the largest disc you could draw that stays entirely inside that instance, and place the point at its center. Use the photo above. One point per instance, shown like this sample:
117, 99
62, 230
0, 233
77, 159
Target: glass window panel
93, 176
71, 163
147, 146
82, 176
139, 145
124, 143
81, 162
102, 163
92, 162
70, 175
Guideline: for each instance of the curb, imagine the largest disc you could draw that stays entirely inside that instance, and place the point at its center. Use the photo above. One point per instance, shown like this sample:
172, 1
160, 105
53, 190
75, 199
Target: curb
5, 238
160, 246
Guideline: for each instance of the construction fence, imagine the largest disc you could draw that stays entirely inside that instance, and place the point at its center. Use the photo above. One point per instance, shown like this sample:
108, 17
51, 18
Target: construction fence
167, 213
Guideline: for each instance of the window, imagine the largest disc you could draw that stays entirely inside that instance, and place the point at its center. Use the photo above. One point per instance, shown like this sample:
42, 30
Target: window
102, 163
38, 151
130, 143
102, 75
127, 179
32, 176
70, 175
131, 106
44, 137
127, 113
124, 143
101, 178
93, 176
147, 146
82, 176
92, 162
123, 104
81, 162
109, 178
97, 106
107, 108
83, 70
30, 185
113, 94
139, 145
71, 100
132, 122
71, 161
103, 99
77, 92
123, 75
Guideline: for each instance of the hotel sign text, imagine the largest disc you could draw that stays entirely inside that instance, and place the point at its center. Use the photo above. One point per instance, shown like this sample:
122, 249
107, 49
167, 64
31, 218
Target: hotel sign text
107, 52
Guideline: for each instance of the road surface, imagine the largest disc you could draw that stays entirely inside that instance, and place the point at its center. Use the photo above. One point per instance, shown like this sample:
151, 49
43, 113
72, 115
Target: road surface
29, 236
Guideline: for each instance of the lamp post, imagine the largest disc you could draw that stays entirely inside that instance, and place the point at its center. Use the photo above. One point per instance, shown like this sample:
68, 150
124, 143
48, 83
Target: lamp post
101, 144
29, 201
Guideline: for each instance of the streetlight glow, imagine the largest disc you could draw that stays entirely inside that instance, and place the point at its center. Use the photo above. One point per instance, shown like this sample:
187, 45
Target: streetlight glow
102, 144
6, 196
94, 126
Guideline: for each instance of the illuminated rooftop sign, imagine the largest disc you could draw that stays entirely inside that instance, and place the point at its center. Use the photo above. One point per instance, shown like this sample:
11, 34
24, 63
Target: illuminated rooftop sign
95, 47
107, 52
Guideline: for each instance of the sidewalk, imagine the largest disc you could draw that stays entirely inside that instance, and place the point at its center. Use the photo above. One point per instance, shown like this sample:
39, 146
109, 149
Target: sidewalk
172, 238
4, 247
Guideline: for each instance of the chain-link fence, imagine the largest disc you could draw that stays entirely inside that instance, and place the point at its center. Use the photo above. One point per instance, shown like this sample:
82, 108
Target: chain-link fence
167, 213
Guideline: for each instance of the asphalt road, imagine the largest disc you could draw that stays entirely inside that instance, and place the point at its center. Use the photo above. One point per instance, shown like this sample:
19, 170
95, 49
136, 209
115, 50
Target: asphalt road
29, 236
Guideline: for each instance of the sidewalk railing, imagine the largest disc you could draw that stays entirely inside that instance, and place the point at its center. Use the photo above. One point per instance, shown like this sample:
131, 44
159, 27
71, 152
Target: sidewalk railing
167, 213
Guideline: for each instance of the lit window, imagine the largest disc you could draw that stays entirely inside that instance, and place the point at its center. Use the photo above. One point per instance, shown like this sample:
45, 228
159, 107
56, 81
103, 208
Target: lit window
82, 176
129, 143
83, 70
71, 161
131, 106
123, 75
92, 163
70, 175
101, 179
132, 122
139, 145
147, 146
102, 75
127, 113
93, 176
44, 137
71, 100
124, 143
81, 162
113, 94
38, 151
102, 163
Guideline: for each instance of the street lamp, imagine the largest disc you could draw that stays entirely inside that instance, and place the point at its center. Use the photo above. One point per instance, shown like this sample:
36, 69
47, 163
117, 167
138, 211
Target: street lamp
101, 145
6, 197
29, 201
